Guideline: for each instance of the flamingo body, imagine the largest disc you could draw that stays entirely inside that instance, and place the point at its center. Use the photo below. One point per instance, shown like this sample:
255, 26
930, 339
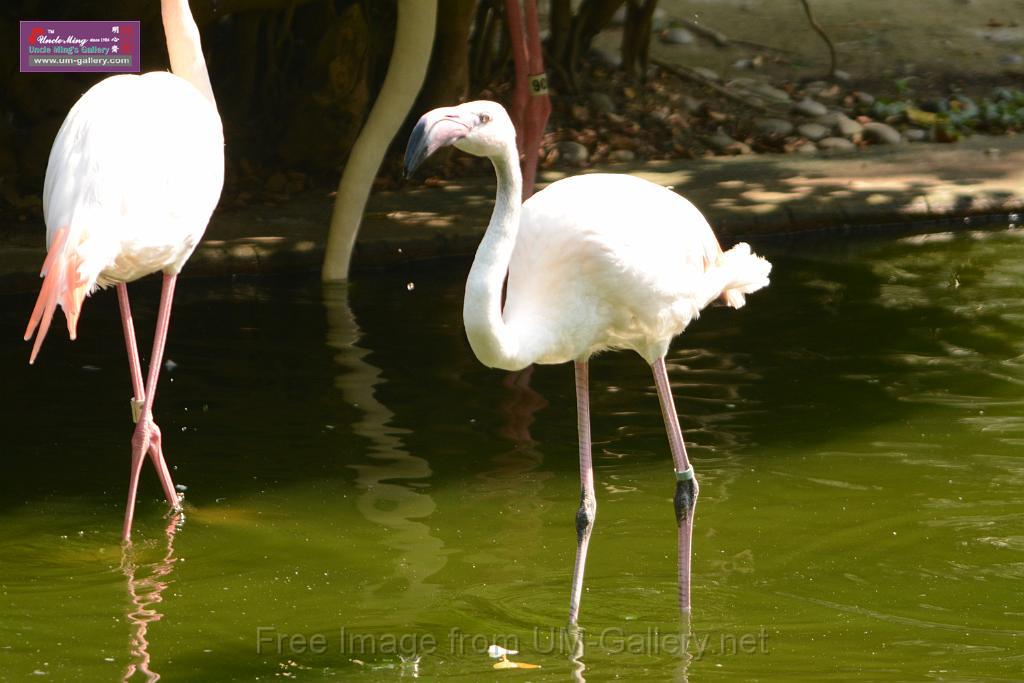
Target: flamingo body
606, 261
593, 262
133, 177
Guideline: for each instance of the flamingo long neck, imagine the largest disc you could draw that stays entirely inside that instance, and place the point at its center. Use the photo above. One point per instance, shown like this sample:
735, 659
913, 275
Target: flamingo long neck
493, 342
184, 47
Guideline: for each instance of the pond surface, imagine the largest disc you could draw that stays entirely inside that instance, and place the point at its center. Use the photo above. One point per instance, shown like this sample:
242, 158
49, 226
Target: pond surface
360, 488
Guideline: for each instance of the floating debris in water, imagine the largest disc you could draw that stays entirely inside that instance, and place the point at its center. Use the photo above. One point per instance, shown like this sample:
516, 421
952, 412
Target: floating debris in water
169, 365
496, 651
410, 286
509, 664
502, 655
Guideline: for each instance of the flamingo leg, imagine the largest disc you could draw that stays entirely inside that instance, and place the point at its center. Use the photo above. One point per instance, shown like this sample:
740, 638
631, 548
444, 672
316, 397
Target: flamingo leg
686, 483
588, 501
139, 393
147, 437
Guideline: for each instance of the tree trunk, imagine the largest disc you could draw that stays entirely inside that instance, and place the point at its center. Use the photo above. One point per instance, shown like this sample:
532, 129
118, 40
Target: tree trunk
448, 76
636, 37
560, 21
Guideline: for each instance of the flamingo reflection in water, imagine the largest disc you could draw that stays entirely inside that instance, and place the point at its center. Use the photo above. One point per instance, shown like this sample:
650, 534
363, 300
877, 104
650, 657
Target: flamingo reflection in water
392, 480
147, 582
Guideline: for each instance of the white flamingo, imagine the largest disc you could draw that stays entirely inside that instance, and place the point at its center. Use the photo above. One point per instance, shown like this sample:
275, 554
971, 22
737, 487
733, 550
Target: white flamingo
133, 177
594, 262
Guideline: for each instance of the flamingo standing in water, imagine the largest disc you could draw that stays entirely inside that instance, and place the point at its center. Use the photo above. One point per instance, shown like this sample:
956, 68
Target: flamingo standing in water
133, 177
594, 262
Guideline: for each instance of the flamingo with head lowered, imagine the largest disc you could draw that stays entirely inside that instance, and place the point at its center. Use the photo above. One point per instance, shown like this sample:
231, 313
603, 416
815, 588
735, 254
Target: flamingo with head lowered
133, 177
594, 262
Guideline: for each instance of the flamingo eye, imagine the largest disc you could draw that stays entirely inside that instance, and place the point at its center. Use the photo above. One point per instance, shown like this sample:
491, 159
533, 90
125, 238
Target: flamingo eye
485, 118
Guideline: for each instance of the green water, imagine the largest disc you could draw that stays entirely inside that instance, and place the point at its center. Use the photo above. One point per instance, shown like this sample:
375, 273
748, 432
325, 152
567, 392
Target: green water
360, 488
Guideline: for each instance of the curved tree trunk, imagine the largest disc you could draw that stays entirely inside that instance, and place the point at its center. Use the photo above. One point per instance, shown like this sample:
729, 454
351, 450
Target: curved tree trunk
414, 39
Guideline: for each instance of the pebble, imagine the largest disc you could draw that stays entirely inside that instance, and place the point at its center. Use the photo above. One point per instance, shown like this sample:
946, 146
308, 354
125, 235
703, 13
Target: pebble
572, 153
847, 127
840, 75
831, 119
692, 104
622, 155
676, 36
658, 114
771, 126
602, 103
1006, 35
749, 63
864, 98
607, 58
806, 147
808, 107
721, 142
707, 73
1011, 60
915, 135
817, 87
743, 82
813, 131
770, 92
836, 145
882, 134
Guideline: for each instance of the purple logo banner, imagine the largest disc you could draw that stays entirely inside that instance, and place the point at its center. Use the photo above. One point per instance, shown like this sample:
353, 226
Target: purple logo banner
80, 46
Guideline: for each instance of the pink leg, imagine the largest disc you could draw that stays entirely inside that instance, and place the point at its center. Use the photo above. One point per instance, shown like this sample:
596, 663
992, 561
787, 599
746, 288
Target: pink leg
155, 452
588, 501
686, 483
129, 341
147, 434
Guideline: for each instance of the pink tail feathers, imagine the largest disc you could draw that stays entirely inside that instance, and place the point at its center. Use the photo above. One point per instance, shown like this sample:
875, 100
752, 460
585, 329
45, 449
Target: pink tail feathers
61, 284
744, 273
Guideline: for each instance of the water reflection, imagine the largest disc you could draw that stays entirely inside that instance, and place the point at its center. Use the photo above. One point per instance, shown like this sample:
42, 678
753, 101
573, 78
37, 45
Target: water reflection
393, 484
521, 404
576, 655
146, 585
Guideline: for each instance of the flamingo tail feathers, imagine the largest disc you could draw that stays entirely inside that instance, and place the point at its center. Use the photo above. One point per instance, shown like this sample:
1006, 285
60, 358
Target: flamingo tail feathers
62, 284
743, 273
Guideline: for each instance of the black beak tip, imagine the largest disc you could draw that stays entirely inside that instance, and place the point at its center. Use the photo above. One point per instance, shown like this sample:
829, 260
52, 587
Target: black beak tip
416, 149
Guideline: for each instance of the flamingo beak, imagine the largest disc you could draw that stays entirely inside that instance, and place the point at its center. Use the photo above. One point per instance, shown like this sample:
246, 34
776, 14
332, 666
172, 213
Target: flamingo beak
435, 129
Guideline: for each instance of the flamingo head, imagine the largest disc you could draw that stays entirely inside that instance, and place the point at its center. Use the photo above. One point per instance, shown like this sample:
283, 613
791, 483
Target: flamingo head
480, 128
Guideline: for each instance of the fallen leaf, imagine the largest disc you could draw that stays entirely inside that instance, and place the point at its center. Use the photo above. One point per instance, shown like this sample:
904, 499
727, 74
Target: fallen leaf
508, 664
921, 117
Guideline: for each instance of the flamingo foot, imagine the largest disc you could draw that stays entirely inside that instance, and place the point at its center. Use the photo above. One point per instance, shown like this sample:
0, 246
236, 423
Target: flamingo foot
156, 454
148, 439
